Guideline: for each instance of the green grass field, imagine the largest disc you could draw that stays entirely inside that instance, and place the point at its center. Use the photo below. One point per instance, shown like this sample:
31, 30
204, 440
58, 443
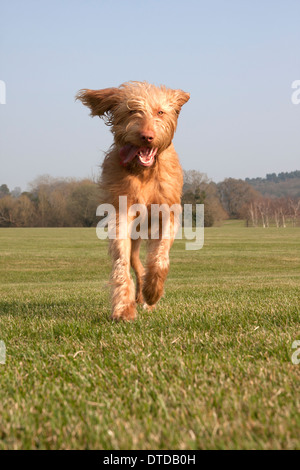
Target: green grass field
210, 368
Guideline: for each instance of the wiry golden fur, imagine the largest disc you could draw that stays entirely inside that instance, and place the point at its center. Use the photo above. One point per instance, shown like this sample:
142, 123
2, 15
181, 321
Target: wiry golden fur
141, 116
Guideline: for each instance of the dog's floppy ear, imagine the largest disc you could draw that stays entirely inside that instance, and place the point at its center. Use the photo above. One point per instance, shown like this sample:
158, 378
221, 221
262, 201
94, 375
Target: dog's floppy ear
100, 102
180, 98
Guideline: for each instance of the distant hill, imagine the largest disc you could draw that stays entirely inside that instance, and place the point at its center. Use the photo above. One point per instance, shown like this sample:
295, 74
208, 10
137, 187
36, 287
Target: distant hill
281, 185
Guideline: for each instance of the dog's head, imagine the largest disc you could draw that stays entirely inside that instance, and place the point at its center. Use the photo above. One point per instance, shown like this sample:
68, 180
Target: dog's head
143, 117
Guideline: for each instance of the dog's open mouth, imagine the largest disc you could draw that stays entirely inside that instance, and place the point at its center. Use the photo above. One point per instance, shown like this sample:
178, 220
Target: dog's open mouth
144, 155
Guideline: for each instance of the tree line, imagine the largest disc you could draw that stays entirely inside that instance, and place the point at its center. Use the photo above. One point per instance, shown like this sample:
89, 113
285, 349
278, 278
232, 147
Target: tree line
50, 202
56, 202
285, 184
283, 176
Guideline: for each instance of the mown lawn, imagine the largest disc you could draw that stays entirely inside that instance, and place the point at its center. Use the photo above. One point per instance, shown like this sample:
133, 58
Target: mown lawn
210, 368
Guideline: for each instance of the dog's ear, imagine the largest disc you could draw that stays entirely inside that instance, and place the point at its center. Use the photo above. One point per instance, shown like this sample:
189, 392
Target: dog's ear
101, 102
180, 98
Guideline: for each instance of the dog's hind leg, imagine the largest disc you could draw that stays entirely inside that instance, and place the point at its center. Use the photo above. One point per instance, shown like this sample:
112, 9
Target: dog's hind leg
123, 291
138, 268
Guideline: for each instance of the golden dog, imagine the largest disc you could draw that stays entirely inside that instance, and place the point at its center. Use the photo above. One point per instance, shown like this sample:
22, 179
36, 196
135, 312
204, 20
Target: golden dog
142, 165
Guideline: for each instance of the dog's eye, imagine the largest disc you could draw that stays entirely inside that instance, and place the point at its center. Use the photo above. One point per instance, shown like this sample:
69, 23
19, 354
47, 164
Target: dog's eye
160, 112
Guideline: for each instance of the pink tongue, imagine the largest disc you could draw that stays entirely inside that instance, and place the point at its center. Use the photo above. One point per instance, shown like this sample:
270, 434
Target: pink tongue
127, 153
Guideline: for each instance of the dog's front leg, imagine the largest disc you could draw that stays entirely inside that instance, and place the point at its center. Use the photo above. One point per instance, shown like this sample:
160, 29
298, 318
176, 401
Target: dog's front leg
123, 290
157, 268
138, 268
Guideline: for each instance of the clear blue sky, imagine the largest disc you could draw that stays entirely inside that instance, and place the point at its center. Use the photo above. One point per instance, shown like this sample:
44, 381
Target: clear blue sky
237, 58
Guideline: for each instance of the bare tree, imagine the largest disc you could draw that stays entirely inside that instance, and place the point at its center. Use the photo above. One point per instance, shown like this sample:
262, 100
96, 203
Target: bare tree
235, 194
24, 212
7, 215
294, 206
252, 211
194, 179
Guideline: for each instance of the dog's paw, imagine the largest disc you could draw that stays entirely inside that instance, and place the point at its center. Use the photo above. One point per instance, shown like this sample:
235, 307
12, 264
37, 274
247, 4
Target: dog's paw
153, 288
148, 308
124, 312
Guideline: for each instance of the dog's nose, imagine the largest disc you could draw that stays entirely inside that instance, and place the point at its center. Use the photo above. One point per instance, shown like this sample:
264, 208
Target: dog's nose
147, 136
